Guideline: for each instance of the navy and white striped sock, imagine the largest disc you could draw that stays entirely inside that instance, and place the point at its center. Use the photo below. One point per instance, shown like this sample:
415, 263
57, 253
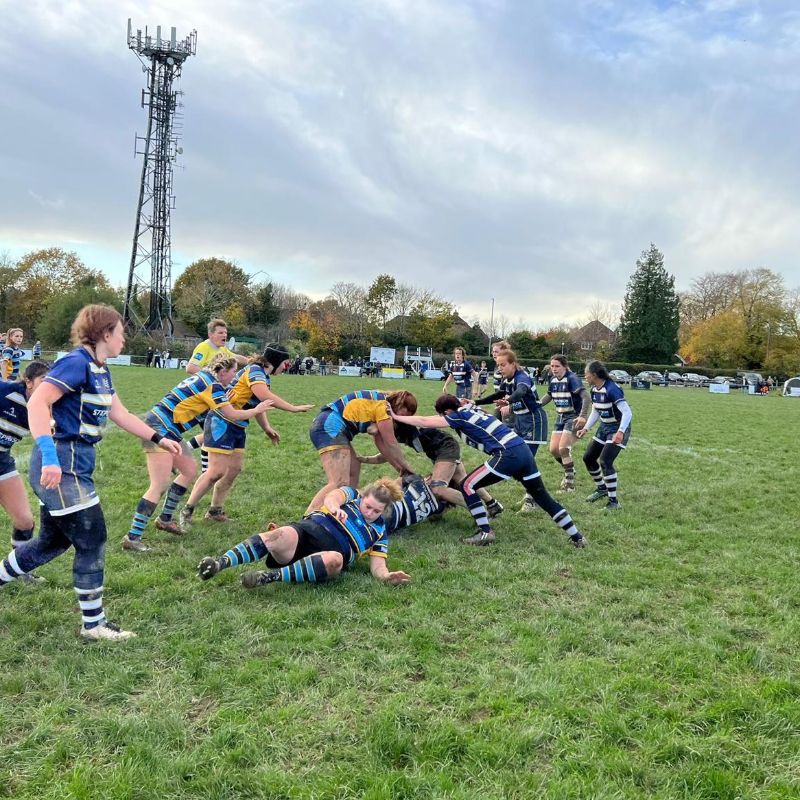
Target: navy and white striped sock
91, 603
611, 485
564, 521
10, 570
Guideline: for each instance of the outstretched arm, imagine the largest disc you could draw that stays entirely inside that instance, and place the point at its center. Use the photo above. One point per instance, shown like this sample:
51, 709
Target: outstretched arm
379, 570
435, 421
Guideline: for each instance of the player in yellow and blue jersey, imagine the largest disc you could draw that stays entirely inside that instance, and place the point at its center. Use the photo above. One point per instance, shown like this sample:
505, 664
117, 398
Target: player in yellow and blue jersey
224, 438
185, 406
11, 355
78, 396
13, 426
572, 403
343, 419
509, 457
610, 408
350, 525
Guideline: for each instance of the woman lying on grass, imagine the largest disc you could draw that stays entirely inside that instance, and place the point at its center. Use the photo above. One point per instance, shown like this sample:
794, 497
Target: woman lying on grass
350, 524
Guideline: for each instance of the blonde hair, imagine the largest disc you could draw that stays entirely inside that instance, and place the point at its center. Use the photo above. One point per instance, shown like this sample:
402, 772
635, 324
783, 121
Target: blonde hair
221, 362
216, 323
93, 322
384, 490
12, 331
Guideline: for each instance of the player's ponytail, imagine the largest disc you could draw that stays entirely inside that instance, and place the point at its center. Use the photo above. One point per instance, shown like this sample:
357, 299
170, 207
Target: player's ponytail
220, 362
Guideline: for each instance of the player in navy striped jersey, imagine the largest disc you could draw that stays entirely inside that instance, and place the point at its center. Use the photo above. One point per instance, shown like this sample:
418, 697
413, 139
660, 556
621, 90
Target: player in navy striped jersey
518, 393
11, 355
459, 370
78, 396
509, 457
349, 525
483, 379
572, 403
185, 406
13, 426
610, 408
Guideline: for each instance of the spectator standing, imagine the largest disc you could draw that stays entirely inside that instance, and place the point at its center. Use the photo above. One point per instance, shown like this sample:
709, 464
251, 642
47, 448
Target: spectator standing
37, 350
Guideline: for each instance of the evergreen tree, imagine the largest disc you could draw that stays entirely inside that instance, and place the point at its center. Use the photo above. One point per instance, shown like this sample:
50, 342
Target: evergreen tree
648, 330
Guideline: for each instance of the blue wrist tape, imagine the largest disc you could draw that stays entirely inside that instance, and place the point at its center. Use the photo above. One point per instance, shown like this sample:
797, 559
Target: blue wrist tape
48, 449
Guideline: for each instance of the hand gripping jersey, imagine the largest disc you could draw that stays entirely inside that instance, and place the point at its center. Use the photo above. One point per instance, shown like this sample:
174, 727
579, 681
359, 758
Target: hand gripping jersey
360, 409
566, 393
205, 351
189, 402
241, 393
82, 411
356, 536
481, 431
13, 414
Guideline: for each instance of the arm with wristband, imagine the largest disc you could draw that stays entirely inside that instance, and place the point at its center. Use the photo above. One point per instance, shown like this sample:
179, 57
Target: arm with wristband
40, 407
120, 416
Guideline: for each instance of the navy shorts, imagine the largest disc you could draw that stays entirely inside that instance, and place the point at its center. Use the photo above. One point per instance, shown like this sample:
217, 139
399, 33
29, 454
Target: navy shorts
222, 436
8, 468
314, 538
76, 490
158, 426
329, 431
516, 462
532, 427
605, 434
462, 389
565, 422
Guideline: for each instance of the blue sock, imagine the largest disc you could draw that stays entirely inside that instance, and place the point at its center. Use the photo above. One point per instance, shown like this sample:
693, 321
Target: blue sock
246, 552
171, 503
144, 510
310, 569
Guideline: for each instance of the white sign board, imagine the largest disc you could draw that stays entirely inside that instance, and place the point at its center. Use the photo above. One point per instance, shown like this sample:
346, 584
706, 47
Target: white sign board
719, 388
353, 372
124, 361
27, 355
794, 391
383, 355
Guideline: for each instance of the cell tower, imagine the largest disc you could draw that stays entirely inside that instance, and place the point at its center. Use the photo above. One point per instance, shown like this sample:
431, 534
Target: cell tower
162, 60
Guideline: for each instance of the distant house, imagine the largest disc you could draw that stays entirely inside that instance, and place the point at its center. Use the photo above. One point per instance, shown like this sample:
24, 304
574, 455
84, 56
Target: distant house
586, 338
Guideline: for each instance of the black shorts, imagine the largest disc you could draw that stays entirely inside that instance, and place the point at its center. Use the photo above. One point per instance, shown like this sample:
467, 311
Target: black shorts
447, 451
313, 538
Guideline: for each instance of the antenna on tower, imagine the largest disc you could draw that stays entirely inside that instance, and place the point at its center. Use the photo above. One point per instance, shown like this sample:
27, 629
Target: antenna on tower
162, 60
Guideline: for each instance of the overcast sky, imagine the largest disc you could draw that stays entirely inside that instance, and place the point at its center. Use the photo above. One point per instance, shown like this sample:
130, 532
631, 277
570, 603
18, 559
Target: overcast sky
516, 149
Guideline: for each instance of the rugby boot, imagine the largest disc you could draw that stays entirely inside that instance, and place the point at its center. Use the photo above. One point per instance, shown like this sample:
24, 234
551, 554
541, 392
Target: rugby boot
481, 538
135, 544
168, 525
597, 494
251, 580
106, 632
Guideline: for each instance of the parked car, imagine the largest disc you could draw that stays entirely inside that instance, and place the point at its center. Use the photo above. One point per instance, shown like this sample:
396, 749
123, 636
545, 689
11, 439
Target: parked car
620, 376
674, 377
655, 376
693, 379
752, 378
647, 375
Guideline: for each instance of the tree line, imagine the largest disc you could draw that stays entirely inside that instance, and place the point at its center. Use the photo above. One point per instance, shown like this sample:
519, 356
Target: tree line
746, 319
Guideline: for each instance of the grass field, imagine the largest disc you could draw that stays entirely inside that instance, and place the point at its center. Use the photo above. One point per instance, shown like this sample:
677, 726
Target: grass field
659, 663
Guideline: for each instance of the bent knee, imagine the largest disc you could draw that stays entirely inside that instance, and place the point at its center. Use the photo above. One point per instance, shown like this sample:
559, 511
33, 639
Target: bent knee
334, 562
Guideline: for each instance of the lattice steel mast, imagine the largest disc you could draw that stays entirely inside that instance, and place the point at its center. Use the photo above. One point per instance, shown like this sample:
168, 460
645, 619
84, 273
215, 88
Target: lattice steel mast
162, 60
